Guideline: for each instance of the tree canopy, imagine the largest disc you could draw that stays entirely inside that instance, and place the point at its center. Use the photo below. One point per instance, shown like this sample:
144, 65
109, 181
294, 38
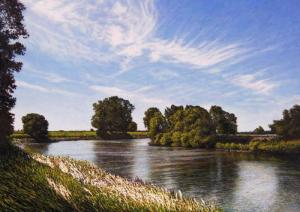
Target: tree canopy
259, 130
225, 122
36, 126
111, 115
149, 114
182, 126
11, 30
289, 125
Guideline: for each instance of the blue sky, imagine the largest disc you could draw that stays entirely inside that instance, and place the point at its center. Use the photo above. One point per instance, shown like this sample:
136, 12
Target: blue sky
241, 55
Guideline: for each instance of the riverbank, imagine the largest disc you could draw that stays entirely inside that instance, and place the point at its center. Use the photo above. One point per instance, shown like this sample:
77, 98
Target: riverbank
78, 135
263, 146
63, 184
241, 142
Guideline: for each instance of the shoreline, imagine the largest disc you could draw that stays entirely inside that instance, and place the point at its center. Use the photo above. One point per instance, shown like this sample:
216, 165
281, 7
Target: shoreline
65, 184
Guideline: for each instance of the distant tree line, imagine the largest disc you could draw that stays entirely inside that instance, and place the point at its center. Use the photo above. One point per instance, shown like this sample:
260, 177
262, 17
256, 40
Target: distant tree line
289, 126
187, 126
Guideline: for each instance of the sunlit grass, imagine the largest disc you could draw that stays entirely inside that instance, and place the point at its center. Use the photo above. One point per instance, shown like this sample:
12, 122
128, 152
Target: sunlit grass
64, 184
77, 134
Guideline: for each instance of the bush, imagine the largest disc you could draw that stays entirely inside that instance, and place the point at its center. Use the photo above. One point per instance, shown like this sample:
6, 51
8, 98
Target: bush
36, 126
166, 140
185, 140
176, 139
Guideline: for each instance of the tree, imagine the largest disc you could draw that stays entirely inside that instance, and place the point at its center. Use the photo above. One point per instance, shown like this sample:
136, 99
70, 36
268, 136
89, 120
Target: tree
132, 127
112, 114
186, 126
36, 126
149, 114
224, 122
157, 125
169, 111
11, 30
259, 130
289, 125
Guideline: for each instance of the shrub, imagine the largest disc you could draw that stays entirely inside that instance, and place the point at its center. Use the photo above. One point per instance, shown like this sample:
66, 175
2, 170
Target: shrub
185, 140
166, 139
176, 139
36, 126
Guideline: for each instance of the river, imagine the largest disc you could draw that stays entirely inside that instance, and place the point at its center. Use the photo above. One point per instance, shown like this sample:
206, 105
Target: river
235, 181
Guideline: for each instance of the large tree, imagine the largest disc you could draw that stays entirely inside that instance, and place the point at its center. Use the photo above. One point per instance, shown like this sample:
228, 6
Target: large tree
11, 30
289, 125
112, 115
225, 122
36, 126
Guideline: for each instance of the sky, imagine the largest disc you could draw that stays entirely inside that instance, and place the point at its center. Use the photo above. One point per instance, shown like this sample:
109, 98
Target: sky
241, 55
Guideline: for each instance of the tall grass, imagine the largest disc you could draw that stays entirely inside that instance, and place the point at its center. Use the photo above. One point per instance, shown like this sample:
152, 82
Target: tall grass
33, 182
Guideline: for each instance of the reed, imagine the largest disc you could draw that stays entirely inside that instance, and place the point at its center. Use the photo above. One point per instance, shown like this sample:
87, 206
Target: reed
58, 183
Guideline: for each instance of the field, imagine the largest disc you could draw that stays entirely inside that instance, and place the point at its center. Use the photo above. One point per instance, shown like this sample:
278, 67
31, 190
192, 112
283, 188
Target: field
77, 135
41, 183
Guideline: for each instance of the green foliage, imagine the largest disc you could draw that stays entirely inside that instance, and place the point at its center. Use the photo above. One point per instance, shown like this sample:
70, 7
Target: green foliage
157, 125
184, 126
185, 140
170, 111
225, 123
148, 115
176, 138
36, 126
112, 114
11, 31
132, 127
165, 139
282, 147
259, 130
289, 125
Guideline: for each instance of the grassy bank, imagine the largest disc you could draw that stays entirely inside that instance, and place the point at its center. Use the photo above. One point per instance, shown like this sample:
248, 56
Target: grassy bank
36, 182
279, 147
80, 135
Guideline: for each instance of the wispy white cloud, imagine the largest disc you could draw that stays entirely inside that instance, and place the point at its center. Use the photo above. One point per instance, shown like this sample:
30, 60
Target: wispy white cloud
163, 74
26, 85
251, 81
138, 95
45, 74
118, 32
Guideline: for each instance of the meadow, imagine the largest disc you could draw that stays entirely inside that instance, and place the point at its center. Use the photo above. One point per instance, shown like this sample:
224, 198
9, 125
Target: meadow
75, 135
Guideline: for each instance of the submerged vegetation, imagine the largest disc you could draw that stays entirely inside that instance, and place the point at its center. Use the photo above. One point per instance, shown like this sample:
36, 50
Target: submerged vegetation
64, 184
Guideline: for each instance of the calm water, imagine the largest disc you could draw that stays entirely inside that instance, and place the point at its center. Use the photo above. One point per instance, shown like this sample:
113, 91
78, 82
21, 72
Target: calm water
236, 181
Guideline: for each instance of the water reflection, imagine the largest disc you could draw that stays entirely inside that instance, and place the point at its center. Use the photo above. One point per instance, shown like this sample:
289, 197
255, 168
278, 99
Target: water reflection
237, 181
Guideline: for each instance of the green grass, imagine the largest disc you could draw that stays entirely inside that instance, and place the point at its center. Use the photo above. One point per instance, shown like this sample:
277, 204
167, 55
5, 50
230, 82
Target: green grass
33, 182
285, 147
77, 134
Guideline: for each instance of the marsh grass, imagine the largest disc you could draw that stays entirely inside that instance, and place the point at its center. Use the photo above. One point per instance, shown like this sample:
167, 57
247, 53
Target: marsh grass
30, 182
